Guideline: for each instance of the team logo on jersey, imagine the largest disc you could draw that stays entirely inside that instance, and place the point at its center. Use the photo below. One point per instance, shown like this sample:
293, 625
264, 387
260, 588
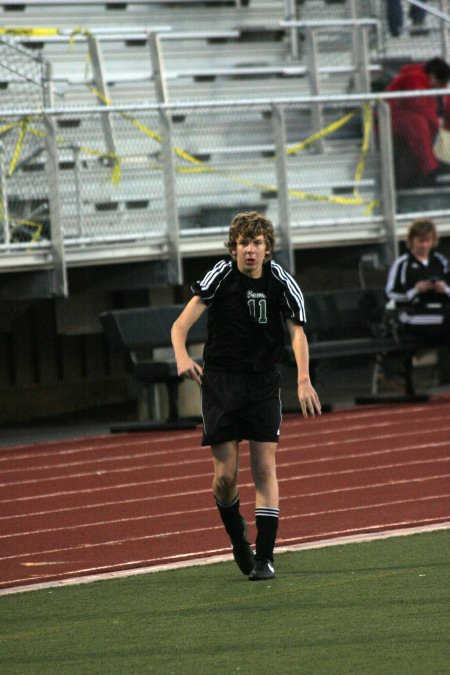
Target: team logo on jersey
257, 306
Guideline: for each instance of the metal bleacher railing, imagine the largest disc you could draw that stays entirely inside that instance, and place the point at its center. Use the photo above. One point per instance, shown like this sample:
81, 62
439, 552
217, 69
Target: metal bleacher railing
104, 180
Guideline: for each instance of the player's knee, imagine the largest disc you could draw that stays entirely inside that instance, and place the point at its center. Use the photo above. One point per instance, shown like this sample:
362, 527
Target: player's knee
224, 482
264, 474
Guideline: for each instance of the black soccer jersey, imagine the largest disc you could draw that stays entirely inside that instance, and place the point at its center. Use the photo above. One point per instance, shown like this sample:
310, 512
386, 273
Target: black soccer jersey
406, 271
245, 315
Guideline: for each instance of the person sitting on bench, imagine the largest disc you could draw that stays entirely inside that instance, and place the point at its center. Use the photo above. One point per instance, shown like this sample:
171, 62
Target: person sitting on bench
418, 286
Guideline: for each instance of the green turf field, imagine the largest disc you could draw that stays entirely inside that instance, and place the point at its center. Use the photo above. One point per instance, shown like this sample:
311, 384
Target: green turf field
378, 608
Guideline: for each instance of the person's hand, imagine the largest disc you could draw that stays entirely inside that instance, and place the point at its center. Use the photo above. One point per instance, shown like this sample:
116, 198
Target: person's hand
189, 369
309, 400
440, 286
424, 286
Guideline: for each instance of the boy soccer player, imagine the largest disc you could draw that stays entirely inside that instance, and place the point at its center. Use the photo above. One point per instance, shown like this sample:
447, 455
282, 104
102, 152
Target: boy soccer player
247, 298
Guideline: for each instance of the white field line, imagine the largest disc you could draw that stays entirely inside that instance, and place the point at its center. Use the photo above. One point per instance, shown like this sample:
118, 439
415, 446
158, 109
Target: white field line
142, 467
129, 457
296, 516
159, 514
299, 435
205, 476
336, 538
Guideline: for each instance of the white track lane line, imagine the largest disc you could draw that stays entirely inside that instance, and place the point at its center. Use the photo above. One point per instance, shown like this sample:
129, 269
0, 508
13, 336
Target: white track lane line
127, 457
315, 435
159, 514
176, 562
311, 514
129, 485
142, 467
291, 419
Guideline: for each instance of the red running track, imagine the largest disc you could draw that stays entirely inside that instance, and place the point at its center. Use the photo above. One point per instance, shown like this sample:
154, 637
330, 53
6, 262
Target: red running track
119, 502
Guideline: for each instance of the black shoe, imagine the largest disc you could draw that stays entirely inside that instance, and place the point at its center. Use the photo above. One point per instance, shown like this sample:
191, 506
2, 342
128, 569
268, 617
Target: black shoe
242, 553
244, 557
262, 570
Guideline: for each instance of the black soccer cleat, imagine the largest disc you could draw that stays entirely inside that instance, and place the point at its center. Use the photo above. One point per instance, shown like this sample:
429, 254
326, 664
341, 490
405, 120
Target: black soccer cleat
242, 553
262, 570
244, 557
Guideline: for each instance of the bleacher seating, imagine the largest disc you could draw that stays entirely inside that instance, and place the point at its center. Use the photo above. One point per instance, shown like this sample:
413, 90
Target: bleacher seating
211, 51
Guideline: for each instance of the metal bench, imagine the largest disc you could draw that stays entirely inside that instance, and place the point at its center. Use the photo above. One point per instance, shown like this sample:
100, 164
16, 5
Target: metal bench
138, 332
349, 323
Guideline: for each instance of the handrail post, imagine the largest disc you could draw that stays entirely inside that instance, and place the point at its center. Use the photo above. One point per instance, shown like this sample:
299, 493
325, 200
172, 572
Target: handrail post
158, 70
388, 181
175, 269
314, 81
100, 84
290, 14
4, 198
285, 254
445, 37
59, 276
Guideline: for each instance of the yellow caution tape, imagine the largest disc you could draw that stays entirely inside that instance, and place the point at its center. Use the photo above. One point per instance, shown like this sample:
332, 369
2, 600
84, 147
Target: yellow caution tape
30, 223
39, 227
196, 165
143, 128
78, 31
299, 194
8, 127
321, 134
23, 129
29, 32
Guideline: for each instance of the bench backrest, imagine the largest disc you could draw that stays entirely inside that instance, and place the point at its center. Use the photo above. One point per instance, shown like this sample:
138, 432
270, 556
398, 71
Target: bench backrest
343, 313
337, 314
147, 327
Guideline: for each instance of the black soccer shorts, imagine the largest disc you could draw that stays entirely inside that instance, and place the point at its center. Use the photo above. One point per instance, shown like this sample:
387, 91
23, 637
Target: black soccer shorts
237, 405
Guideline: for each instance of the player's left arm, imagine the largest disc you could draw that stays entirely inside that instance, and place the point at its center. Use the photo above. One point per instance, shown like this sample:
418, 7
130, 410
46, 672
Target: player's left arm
307, 395
186, 366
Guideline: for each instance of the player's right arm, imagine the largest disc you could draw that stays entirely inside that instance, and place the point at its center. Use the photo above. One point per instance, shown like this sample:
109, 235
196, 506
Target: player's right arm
186, 366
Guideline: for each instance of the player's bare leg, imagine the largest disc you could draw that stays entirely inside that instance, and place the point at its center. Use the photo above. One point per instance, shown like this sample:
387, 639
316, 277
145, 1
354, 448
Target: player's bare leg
226, 466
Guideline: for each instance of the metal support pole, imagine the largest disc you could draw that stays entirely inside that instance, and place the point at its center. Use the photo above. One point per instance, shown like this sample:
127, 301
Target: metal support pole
173, 227
388, 189
290, 14
361, 61
49, 88
59, 276
313, 76
285, 254
6, 235
157, 61
78, 189
444, 26
100, 84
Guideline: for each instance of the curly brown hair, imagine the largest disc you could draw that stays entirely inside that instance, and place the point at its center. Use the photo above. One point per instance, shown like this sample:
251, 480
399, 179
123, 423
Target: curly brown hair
250, 224
421, 227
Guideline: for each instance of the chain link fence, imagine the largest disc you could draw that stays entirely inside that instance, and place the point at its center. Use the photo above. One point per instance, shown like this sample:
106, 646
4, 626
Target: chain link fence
177, 175
222, 160
23, 184
108, 195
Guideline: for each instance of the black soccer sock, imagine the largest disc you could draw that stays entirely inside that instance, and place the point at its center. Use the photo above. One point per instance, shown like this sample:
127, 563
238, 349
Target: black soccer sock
267, 526
231, 518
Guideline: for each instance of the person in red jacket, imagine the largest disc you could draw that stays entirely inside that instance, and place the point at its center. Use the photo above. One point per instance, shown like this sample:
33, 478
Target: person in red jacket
416, 120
